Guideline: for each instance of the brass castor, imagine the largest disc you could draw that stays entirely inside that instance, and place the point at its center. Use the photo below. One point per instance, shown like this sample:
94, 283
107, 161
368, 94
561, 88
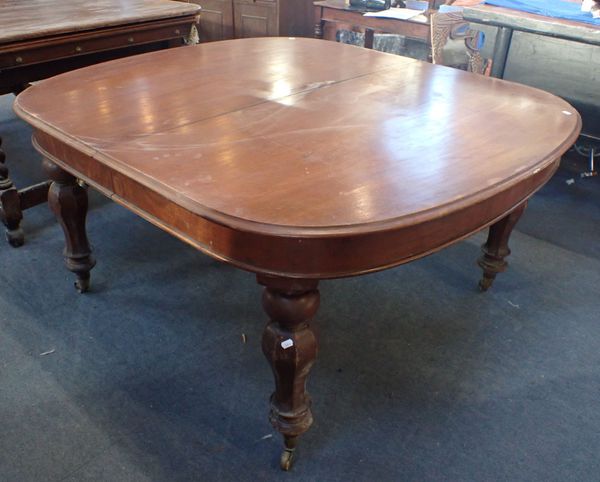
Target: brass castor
82, 285
289, 453
15, 237
485, 283
287, 459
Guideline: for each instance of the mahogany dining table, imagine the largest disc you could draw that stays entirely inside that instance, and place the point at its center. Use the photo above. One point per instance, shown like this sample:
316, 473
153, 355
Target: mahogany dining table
297, 160
41, 38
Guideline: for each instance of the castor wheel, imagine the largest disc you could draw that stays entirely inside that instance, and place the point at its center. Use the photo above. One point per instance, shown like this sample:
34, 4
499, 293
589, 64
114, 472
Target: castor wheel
82, 285
485, 283
15, 237
287, 459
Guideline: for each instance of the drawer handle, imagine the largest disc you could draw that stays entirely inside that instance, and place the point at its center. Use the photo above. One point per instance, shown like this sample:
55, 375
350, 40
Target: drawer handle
130, 40
19, 60
78, 49
177, 31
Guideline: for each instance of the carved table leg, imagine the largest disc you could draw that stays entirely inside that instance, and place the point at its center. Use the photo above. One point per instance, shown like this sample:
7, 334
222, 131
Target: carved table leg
69, 202
10, 205
290, 346
496, 248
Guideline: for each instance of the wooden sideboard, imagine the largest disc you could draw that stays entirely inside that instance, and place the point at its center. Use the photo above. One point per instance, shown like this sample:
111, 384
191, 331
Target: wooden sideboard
225, 19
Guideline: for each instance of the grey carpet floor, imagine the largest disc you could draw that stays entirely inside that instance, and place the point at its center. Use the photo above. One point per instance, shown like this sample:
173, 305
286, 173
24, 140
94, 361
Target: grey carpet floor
420, 377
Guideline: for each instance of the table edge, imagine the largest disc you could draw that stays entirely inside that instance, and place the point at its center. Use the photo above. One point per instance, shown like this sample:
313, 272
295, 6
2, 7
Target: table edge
304, 231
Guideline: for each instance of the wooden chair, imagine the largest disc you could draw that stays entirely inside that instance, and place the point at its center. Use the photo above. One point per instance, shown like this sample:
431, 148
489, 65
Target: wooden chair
455, 44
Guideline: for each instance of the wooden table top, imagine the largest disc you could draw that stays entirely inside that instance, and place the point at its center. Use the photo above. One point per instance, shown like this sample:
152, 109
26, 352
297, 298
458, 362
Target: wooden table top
532, 23
263, 131
23, 20
301, 138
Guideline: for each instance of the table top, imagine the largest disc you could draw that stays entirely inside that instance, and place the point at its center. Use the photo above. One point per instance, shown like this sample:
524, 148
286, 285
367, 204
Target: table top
532, 23
31, 19
264, 136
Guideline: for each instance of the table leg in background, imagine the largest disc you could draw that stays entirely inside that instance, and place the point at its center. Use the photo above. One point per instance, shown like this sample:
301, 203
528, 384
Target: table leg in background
290, 346
10, 205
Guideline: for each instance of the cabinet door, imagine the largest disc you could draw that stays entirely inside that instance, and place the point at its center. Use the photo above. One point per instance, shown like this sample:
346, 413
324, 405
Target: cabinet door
255, 18
216, 19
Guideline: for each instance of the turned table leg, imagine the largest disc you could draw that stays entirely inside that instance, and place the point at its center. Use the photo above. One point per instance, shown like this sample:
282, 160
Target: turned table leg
69, 203
495, 250
10, 205
290, 346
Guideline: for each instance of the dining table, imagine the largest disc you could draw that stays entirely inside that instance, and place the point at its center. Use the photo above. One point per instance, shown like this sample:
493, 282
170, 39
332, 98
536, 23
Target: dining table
297, 160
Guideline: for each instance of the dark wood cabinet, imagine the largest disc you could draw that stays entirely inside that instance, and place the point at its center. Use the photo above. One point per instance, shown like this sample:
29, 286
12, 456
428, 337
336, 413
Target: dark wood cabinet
255, 18
223, 19
216, 20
